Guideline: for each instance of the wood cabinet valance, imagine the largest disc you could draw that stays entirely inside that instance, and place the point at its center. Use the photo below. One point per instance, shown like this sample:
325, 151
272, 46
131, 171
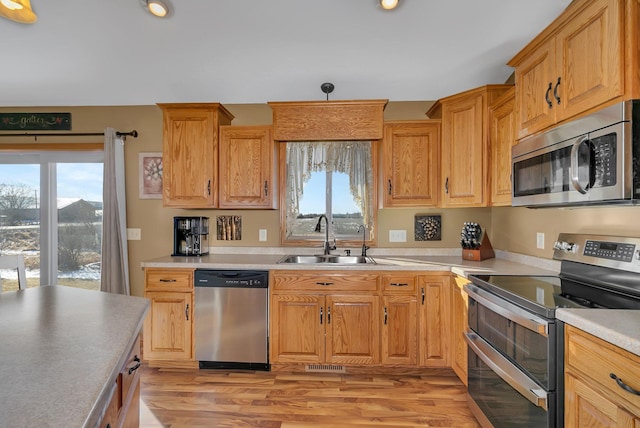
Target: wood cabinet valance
328, 120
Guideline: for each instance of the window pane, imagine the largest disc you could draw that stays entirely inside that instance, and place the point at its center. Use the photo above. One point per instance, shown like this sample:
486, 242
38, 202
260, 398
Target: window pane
79, 224
347, 216
20, 220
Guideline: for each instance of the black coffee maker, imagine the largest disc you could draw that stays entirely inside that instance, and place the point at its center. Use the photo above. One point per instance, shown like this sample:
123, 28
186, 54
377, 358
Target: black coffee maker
190, 236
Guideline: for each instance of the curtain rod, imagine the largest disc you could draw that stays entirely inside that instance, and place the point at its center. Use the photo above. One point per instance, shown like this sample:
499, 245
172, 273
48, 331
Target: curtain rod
133, 134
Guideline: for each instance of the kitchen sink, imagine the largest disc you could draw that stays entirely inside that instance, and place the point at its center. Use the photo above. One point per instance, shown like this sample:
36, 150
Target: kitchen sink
326, 259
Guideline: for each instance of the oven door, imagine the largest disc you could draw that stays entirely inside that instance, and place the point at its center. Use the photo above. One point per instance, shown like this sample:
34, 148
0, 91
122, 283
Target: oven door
501, 394
512, 366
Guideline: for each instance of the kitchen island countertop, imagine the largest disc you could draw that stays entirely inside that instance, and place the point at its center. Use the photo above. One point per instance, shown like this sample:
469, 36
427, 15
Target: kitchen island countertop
61, 349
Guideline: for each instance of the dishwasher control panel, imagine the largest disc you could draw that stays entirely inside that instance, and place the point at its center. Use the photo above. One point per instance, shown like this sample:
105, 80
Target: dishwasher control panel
231, 278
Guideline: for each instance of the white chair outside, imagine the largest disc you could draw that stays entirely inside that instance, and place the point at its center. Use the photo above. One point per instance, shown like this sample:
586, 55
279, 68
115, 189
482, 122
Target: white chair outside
15, 262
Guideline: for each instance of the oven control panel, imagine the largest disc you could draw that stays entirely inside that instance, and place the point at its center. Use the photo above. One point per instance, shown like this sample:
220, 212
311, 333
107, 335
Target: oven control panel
609, 250
618, 252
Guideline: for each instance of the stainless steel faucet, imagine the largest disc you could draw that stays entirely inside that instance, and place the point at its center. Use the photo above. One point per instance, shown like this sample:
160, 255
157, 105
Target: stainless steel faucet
327, 247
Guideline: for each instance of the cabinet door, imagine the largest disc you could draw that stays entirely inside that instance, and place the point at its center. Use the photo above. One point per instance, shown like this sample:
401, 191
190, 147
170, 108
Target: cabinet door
297, 328
411, 159
246, 167
399, 330
168, 326
535, 79
463, 152
189, 152
352, 332
502, 136
435, 320
590, 55
459, 327
587, 407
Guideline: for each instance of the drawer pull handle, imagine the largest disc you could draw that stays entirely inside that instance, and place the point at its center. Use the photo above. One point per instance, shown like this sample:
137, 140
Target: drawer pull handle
324, 283
137, 366
398, 284
623, 385
167, 280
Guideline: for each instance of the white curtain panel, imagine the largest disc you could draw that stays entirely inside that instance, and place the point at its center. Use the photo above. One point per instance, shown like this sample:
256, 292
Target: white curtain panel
349, 157
114, 273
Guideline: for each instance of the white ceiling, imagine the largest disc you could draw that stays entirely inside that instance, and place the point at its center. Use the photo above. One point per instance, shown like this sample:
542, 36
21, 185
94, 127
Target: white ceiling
112, 52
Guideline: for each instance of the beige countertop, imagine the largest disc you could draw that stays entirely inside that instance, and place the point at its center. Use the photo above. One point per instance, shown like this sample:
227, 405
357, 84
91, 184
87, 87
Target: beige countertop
388, 262
619, 327
61, 349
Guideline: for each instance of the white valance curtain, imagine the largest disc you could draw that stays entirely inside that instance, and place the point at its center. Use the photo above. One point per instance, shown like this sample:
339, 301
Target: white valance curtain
114, 272
349, 157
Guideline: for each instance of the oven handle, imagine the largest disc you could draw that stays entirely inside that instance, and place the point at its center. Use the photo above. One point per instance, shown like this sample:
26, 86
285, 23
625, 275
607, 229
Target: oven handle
507, 371
509, 311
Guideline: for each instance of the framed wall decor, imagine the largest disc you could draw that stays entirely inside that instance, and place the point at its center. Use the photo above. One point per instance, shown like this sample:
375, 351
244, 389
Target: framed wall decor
150, 180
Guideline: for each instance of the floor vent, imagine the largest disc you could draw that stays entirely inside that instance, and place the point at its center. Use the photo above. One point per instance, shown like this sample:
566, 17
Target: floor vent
323, 368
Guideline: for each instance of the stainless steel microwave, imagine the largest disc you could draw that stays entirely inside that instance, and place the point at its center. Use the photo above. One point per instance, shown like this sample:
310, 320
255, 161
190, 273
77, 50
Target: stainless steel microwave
593, 160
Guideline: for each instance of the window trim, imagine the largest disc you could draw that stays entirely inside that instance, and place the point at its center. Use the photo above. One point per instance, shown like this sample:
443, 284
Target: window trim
317, 242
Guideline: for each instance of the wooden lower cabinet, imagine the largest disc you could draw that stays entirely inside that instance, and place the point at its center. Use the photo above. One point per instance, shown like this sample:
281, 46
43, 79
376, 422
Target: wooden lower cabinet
168, 327
459, 325
434, 320
593, 398
316, 329
347, 319
123, 410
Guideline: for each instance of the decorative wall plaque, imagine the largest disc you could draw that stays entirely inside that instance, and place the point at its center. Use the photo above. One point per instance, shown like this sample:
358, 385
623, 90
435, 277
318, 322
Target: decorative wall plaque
428, 228
35, 121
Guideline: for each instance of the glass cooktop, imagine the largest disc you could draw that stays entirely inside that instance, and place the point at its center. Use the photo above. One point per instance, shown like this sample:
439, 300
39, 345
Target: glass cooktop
542, 294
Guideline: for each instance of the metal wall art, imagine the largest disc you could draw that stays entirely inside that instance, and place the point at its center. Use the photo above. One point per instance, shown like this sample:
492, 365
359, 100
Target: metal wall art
428, 228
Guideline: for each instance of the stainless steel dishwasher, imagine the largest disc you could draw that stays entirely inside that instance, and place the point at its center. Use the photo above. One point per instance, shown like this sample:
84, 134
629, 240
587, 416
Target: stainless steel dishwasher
231, 319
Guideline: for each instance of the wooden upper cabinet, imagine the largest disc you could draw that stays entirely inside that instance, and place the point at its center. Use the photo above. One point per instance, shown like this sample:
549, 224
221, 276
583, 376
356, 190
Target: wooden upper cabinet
246, 162
190, 153
411, 159
465, 151
577, 64
502, 136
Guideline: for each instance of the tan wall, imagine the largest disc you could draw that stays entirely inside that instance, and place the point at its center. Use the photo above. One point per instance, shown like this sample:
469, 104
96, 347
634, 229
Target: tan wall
510, 229
514, 229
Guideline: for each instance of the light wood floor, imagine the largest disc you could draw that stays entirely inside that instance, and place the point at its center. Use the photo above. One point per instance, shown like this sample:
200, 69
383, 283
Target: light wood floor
213, 398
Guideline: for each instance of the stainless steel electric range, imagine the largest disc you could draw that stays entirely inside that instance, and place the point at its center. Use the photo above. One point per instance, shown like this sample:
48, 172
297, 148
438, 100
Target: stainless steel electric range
516, 344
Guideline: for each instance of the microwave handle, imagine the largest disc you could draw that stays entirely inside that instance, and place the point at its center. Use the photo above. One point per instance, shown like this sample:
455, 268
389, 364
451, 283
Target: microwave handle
573, 169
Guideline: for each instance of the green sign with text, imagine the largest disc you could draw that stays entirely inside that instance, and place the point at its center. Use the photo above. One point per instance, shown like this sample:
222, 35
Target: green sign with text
35, 121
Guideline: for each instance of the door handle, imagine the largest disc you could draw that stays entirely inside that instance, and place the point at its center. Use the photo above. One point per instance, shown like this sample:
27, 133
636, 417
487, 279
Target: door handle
446, 185
385, 315
320, 315
555, 91
389, 187
422, 292
209, 187
574, 176
546, 95
328, 314
266, 188
186, 312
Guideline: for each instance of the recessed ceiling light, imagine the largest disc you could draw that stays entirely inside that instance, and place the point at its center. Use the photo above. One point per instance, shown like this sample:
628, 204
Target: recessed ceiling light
157, 8
389, 4
18, 11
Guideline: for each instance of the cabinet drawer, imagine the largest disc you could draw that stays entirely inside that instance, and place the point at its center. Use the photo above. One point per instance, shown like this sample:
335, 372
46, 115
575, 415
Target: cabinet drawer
130, 371
318, 281
596, 359
168, 279
399, 283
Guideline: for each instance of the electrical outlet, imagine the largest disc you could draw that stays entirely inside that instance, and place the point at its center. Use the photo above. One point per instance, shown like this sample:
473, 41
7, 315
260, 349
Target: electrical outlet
540, 240
397, 236
263, 234
134, 234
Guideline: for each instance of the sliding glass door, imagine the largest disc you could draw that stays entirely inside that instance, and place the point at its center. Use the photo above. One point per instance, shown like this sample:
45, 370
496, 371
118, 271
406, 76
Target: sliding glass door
51, 211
